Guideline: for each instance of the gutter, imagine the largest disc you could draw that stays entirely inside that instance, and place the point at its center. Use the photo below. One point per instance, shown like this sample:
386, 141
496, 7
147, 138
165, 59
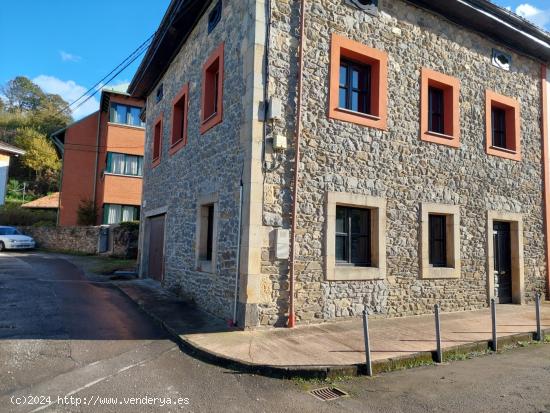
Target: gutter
96, 155
297, 139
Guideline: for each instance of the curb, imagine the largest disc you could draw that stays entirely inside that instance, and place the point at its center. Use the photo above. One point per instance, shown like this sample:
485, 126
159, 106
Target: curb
327, 372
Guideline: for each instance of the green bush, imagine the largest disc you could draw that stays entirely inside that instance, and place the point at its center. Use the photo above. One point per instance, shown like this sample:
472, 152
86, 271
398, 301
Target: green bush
13, 214
130, 225
86, 212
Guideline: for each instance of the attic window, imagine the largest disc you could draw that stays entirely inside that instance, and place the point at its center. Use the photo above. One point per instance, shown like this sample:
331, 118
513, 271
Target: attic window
160, 93
501, 60
368, 6
215, 16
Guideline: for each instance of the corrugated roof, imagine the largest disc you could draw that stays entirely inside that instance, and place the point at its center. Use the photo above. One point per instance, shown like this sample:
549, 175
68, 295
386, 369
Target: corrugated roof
10, 149
46, 202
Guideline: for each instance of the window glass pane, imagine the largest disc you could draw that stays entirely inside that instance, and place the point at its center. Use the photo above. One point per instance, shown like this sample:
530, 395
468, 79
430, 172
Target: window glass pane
121, 114
355, 101
437, 240
341, 219
113, 214
140, 166
341, 248
360, 250
128, 213
134, 116
343, 75
355, 79
117, 163
360, 221
343, 98
131, 167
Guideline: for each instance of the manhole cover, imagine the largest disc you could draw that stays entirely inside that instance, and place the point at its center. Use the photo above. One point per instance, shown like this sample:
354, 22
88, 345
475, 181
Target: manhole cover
328, 393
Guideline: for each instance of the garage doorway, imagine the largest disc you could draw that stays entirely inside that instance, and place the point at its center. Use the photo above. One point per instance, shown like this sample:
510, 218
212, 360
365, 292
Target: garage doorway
505, 269
156, 247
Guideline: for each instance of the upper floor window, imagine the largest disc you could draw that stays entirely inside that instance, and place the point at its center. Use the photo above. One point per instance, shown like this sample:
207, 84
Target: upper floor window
212, 90
436, 107
124, 164
355, 88
439, 108
502, 126
358, 83
125, 114
157, 140
498, 127
179, 120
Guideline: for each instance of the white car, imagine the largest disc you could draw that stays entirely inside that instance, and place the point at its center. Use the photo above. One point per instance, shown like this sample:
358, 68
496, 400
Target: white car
12, 239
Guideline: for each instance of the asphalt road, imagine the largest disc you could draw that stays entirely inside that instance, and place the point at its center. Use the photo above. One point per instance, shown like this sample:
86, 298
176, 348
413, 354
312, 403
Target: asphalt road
66, 340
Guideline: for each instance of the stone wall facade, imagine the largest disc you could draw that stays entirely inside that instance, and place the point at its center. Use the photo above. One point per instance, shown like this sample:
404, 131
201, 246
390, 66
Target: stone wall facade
395, 165
392, 165
209, 165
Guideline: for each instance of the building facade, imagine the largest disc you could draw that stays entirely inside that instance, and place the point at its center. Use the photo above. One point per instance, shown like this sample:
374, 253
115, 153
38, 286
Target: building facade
103, 161
420, 139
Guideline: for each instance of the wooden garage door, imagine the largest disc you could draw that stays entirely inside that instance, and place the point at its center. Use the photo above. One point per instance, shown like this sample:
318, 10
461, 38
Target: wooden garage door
156, 247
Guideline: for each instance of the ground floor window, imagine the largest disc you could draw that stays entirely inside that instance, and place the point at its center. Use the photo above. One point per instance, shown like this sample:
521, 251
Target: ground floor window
115, 214
207, 224
353, 235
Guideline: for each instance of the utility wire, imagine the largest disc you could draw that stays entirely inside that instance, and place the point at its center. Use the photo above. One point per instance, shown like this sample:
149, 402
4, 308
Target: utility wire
125, 63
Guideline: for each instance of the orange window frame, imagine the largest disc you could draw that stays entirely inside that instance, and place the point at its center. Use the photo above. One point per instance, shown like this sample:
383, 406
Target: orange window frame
344, 48
180, 106
156, 149
513, 138
212, 90
451, 103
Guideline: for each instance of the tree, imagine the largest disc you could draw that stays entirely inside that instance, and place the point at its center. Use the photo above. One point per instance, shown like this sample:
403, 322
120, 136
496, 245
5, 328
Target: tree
86, 212
40, 155
22, 95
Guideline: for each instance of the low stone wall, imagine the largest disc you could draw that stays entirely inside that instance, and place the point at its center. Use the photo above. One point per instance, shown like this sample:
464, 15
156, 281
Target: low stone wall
79, 239
122, 239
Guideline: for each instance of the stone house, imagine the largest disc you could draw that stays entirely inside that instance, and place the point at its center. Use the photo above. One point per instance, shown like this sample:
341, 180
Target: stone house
306, 160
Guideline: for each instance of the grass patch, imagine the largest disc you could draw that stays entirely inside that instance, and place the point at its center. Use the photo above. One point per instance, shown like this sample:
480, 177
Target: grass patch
110, 265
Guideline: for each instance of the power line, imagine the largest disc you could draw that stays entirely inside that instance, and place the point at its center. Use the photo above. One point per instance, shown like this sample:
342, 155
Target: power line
125, 63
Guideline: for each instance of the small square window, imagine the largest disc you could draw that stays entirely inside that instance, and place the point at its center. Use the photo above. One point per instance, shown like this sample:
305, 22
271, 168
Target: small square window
358, 83
502, 126
160, 93
439, 107
179, 120
440, 239
212, 90
157, 141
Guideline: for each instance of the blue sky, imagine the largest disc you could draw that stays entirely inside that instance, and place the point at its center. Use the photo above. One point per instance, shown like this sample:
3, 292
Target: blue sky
66, 46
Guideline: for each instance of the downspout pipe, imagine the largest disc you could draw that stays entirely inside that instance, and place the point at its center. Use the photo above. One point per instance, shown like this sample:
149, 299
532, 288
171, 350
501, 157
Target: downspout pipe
297, 138
238, 257
97, 152
545, 170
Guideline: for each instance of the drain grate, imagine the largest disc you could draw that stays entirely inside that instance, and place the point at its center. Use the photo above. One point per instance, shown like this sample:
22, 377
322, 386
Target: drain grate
328, 393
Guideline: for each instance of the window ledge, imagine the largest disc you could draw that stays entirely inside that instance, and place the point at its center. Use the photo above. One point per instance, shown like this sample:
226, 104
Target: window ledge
125, 125
360, 114
156, 162
124, 175
430, 273
505, 150
440, 135
176, 146
205, 267
344, 272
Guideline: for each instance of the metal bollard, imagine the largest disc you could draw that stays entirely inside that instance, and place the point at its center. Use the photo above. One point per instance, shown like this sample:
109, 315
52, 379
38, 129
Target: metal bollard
537, 309
367, 342
494, 343
439, 356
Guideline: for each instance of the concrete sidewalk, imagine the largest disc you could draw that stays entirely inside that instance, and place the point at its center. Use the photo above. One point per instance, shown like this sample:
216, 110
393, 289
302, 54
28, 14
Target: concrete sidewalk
333, 348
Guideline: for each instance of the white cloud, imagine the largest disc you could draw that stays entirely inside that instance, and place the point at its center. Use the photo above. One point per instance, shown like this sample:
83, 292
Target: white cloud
68, 57
539, 17
70, 91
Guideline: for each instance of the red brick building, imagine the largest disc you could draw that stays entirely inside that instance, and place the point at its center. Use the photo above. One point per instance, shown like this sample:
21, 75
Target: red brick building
103, 161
